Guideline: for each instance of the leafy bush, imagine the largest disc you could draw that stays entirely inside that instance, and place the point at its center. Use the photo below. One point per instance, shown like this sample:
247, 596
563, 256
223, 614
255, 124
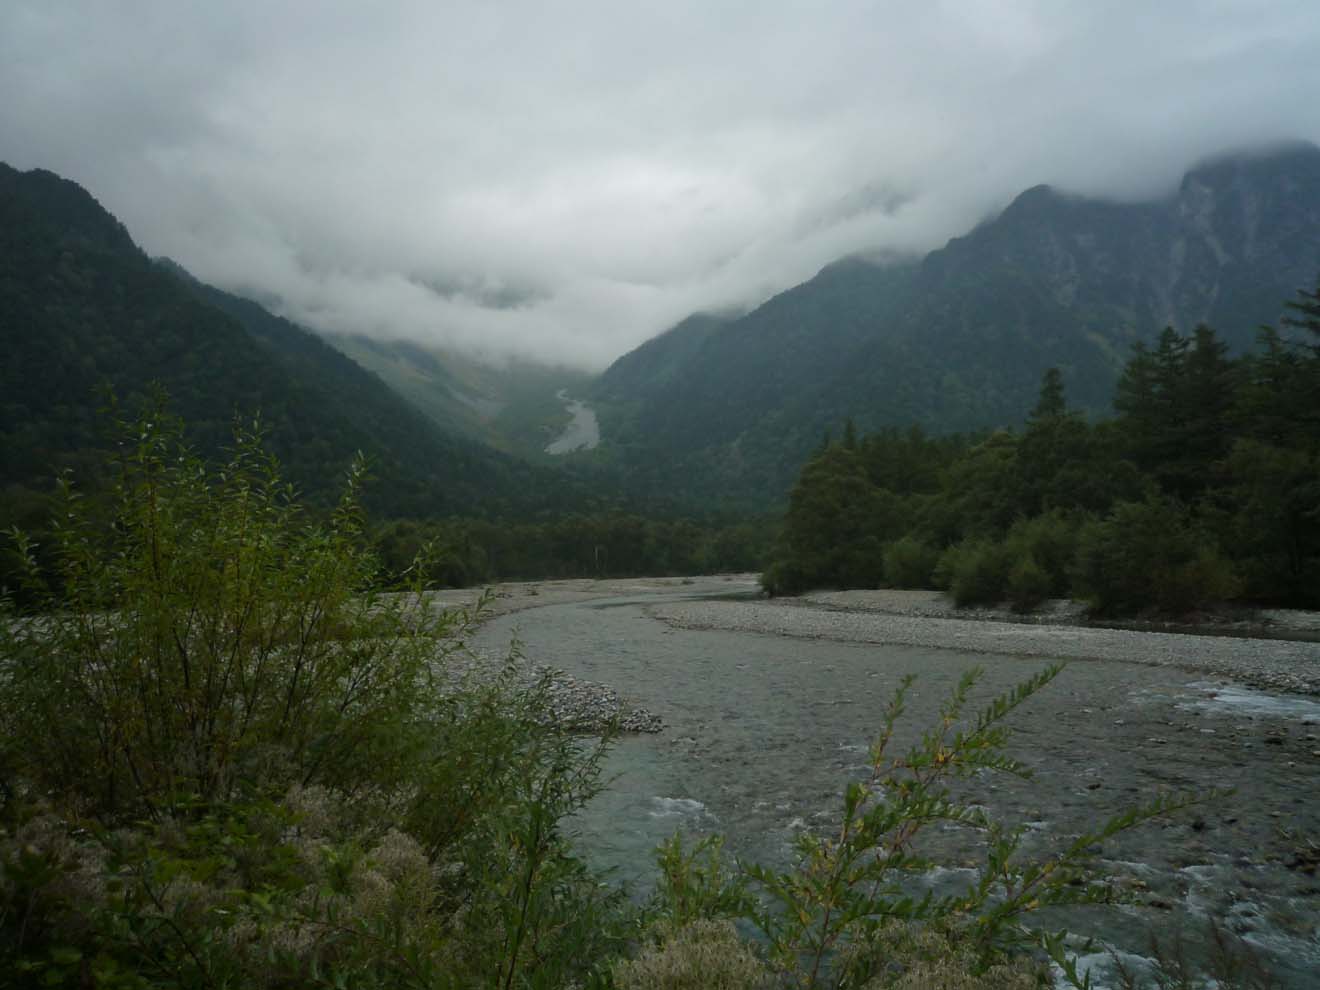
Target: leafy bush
226, 759
1050, 540
784, 577
702, 955
1148, 556
978, 572
1206, 579
1028, 584
910, 563
919, 957
210, 638
696, 884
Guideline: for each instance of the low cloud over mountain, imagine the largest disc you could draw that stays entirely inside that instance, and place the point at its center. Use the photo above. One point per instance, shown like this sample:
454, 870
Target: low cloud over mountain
509, 179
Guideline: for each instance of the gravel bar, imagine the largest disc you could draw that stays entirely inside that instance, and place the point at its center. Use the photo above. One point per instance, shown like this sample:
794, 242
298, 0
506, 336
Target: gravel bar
574, 704
1268, 664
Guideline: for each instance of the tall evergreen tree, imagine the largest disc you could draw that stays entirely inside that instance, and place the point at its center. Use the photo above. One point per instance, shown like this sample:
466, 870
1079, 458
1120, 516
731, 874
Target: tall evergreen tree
1051, 402
1060, 464
1270, 403
1202, 404
1307, 309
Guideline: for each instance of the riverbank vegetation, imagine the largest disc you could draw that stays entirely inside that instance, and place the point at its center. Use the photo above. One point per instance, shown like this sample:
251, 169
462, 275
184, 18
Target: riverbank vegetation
602, 544
468, 550
1203, 489
229, 759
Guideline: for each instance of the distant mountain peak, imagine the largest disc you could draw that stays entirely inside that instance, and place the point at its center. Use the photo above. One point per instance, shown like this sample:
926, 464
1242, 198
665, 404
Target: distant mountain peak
959, 341
1031, 204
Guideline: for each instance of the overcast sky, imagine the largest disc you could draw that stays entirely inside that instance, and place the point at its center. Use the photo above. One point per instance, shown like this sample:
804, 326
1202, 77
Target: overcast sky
564, 180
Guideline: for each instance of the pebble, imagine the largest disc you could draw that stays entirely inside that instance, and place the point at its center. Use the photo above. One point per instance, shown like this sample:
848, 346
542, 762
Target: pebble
582, 706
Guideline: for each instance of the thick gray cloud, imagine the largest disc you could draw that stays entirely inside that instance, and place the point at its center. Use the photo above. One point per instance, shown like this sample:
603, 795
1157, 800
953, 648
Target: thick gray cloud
566, 180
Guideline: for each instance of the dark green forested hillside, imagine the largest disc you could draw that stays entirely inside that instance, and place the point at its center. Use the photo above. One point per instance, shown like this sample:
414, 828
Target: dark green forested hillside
959, 340
461, 474
81, 307
84, 311
1204, 488
657, 364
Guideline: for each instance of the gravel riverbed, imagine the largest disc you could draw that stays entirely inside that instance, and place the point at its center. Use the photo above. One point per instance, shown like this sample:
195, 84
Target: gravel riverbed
1058, 630
923, 619
769, 706
579, 704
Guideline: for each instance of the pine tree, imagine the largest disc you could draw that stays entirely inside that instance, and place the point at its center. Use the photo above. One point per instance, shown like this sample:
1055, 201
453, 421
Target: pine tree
1051, 403
1307, 308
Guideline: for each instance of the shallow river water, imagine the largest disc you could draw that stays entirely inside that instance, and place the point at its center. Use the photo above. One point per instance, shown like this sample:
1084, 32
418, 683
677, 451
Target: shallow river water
762, 733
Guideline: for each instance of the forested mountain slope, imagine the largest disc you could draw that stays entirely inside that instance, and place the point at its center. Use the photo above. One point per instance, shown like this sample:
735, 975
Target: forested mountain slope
959, 339
81, 306
512, 405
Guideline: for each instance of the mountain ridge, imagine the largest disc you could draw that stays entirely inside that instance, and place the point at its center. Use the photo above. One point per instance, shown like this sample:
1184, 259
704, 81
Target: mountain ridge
81, 306
958, 339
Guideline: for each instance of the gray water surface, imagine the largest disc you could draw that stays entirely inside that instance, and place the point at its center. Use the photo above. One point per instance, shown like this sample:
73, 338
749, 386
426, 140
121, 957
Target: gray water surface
763, 733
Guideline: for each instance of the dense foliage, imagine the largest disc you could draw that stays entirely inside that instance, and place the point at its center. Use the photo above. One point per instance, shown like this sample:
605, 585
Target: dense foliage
1203, 489
226, 759
600, 545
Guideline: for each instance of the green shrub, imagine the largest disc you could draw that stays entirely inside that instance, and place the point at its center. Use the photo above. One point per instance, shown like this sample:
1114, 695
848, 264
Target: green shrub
980, 573
1028, 584
211, 639
783, 577
226, 759
1206, 579
703, 955
696, 885
1147, 556
942, 576
910, 563
918, 957
1050, 540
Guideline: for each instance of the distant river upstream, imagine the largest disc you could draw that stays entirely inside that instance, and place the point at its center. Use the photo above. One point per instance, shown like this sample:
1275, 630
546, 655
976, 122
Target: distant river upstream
764, 731
582, 432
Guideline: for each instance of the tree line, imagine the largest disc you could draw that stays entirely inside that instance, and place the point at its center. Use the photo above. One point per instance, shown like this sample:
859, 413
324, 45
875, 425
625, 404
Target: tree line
608, 543
1203, 488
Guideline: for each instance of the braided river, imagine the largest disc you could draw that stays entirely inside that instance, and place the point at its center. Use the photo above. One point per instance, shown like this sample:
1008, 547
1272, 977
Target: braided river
763, 732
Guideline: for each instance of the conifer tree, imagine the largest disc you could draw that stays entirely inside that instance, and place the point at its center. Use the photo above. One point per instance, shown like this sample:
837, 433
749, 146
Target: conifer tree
1307, 309
1051, 402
